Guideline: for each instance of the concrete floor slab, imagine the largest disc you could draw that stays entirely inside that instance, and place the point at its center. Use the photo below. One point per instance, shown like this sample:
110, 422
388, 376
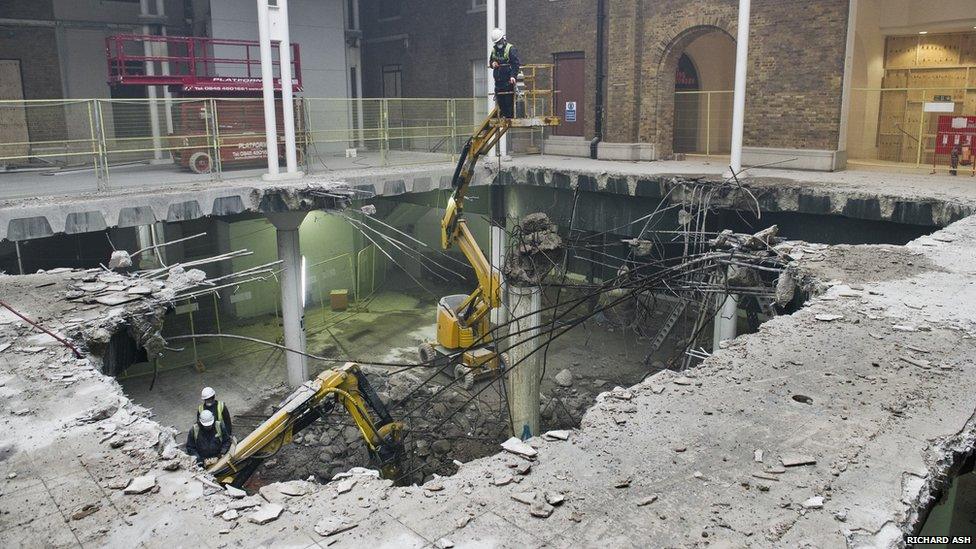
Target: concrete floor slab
884, 432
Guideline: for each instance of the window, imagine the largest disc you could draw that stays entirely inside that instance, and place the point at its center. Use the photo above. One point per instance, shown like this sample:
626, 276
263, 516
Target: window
353, 83
392, 81
478, 5
479, 77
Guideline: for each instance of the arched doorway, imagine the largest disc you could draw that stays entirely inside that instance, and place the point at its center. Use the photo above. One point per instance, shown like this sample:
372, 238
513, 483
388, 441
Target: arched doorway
703, 84
709, 48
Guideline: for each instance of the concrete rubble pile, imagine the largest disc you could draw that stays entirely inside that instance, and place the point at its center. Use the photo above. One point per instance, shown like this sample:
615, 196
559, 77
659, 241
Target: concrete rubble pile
536, 251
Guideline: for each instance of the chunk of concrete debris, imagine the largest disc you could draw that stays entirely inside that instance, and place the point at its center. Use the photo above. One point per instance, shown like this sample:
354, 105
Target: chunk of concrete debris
503, 480
433, 486
657, 389
234, 492
555, 498
645, 501
516, 446
140, 485
293, 488
556, 435
827, 317
527, 498
345, 485
683, 380
757, 456
230, 515
332, 525
796, 460
815, 502
266, 513
622, 483
444, 543
541, 509
120, 260
564, 378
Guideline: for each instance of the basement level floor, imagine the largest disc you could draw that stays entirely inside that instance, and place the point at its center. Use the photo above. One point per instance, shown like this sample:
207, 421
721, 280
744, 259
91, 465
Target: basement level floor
248, 375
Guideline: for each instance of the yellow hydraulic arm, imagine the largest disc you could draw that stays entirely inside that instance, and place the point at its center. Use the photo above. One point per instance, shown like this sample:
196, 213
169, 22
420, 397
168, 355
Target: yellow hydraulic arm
454, 229
347, 386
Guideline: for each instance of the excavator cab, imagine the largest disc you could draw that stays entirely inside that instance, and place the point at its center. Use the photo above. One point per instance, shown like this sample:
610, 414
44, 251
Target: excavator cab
463, 321
346, 386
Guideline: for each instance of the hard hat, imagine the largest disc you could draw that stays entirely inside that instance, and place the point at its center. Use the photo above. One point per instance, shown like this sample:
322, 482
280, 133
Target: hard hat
206, 418
207, 392
497, 35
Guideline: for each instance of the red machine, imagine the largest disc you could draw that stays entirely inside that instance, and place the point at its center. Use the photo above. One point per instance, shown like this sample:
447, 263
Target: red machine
228, 71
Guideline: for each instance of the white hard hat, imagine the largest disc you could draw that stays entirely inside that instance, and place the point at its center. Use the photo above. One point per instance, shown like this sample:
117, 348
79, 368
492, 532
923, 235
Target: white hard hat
497, 35
207, 392
206, 418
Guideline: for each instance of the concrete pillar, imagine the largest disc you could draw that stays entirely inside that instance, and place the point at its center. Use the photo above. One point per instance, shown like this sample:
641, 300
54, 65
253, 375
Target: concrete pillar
525, 378
725, 321
292, 292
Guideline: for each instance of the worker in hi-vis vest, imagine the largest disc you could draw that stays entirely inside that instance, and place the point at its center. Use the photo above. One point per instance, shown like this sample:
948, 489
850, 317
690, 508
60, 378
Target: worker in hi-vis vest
207, 441
217, 408
506, 65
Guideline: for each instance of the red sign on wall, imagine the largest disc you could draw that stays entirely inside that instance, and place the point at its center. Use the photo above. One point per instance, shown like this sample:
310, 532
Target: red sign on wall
955, 130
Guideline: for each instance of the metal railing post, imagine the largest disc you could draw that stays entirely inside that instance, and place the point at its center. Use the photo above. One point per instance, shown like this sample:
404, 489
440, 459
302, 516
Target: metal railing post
708, 123
452, 123
105, 180
384, 130
918, 153
216, 167
94, 144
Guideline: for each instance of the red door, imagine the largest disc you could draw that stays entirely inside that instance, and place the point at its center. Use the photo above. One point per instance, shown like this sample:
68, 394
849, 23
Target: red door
569, 79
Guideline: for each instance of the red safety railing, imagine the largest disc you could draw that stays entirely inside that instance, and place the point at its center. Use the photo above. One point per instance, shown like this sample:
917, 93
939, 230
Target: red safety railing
196, 64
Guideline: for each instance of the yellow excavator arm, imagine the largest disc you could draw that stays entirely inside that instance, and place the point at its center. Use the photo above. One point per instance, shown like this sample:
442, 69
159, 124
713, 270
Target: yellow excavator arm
454, 229
347, 386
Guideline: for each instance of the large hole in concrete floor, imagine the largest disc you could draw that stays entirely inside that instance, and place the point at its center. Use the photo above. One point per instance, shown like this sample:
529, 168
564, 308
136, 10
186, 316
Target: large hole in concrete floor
390, 310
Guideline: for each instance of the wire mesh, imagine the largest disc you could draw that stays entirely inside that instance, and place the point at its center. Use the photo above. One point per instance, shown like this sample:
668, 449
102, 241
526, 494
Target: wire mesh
47, 134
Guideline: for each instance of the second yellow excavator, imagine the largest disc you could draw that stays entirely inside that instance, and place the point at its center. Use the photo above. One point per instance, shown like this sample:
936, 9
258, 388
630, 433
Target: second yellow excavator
463, 321
347, 386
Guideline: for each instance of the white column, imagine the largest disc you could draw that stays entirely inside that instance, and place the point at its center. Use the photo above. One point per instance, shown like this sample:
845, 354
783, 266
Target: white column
489, 25
267, 88
147, 50
287, 99
496, 258
503, 24
164, 69
292, 293
723, 327
739, 96
525, 378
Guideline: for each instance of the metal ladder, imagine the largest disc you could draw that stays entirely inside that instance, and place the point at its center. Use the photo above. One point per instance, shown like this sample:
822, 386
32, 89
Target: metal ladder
669, 324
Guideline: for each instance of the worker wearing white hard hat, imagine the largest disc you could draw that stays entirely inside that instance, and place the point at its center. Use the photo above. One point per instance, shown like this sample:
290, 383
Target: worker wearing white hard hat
207, 440
217, 408
505, 66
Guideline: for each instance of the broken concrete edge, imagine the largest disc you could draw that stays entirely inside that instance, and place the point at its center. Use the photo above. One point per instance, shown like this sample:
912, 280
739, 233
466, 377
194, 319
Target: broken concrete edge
773, 194
917, 494
29, 219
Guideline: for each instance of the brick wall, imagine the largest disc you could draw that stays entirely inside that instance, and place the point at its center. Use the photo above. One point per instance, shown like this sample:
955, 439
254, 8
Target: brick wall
36, 49
442, 38
796, 59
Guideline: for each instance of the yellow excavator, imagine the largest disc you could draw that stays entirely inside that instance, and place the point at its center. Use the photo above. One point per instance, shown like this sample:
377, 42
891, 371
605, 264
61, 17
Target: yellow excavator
463, 321
347, 386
